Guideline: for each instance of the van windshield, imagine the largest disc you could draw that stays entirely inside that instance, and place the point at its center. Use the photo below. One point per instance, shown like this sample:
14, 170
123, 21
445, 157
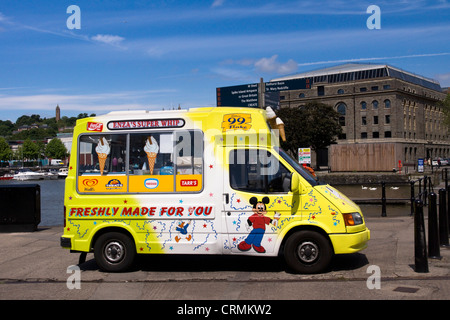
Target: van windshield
297, 167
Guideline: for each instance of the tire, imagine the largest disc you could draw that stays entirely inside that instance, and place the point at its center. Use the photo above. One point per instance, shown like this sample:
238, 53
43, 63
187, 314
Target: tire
308, 252
114, 252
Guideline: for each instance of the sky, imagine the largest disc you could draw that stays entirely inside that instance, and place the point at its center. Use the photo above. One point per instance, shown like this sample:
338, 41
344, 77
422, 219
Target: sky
148, 55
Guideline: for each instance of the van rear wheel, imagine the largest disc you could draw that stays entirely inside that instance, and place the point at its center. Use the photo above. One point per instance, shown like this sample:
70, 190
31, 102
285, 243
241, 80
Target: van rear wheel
307, 252
114, 252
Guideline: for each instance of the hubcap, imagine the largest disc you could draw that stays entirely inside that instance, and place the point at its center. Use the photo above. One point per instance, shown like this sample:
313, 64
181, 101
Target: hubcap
308, 251
114, 251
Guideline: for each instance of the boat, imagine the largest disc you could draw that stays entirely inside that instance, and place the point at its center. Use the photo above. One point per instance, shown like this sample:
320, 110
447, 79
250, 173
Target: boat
28, 174
50, 174
63, 172
7, 177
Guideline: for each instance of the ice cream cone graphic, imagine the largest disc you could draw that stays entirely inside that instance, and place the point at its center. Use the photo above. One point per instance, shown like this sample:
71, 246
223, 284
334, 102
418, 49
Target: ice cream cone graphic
151, 148
102, 150
151, 156
270, 114
280, 126
102, 160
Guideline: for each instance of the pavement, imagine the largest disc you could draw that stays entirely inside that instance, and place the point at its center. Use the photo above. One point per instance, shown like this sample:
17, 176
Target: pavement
33, 266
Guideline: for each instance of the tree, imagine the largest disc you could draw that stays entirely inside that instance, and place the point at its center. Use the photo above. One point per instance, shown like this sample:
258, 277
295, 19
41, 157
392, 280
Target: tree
314, 125
445, 106
56, 149
30, 150
5, 150
6, 127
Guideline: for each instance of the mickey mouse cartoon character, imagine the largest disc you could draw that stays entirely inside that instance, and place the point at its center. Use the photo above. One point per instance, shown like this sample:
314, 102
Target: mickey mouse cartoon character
258, 220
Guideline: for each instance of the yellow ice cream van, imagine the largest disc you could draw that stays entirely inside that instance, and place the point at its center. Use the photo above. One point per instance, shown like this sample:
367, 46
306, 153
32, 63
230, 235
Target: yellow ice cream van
200, 181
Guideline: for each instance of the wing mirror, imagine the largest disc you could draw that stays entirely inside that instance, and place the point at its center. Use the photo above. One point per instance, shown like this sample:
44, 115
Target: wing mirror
295, 182
296, 185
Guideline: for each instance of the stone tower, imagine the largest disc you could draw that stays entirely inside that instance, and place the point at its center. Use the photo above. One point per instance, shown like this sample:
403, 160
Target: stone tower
58, 113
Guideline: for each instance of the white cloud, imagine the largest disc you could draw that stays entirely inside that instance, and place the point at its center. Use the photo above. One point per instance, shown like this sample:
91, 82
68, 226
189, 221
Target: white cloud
97, 103
108, 39
444, 79
233, 74
217, 3
271, 65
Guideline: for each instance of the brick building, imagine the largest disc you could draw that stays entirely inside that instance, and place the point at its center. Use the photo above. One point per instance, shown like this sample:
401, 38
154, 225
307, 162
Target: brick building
387, 115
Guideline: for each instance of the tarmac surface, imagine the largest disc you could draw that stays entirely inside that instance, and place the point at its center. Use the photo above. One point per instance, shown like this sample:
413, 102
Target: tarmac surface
33, 266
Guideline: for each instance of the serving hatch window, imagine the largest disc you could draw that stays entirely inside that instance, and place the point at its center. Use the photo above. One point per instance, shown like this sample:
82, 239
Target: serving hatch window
151, 154
102, 154
142, 162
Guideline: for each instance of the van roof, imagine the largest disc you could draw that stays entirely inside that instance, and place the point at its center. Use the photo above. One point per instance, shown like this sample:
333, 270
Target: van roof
137, 114
210, 117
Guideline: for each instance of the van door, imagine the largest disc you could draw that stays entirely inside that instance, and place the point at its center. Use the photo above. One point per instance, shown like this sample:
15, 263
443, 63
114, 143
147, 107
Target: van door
257, 199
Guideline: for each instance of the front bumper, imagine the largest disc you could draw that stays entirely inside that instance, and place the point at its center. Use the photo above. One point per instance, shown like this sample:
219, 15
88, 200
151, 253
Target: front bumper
350, 242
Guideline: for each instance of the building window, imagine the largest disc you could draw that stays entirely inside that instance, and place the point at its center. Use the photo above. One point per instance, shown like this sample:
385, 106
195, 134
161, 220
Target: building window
363, 89
375, 120
320, 90
363, 135
301, 95
386, 86
363, 121
374, 88
340, 91
387, 134
375, 104
363, 105
387, 119
342, 136
387, 103
341, 109
375, 135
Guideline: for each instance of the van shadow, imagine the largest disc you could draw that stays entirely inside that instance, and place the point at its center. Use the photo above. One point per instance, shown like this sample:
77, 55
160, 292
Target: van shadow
348, 262
214, 263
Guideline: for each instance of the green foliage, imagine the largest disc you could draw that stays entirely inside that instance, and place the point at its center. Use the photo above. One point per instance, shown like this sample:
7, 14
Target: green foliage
6, 127
56, 149
5, 150
30, 149
314, 125
445, 105
42, 132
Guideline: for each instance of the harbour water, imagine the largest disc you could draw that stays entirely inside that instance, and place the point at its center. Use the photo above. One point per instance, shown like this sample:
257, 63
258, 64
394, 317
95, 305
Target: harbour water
368, 197
52, 200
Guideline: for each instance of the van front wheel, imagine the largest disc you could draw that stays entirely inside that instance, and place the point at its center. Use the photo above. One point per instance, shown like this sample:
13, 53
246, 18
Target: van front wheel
114, 252
307, 252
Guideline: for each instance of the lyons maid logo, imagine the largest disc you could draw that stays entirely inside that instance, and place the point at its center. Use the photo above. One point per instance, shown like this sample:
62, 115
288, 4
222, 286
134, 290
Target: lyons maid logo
151, 183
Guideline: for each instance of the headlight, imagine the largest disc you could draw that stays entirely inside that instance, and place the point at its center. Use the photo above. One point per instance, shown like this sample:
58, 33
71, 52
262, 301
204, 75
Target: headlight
353, 219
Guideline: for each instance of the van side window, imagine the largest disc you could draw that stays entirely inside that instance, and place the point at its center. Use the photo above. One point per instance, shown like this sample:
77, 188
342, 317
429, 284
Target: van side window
101, 154
151, 153
258, 171
189, 152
